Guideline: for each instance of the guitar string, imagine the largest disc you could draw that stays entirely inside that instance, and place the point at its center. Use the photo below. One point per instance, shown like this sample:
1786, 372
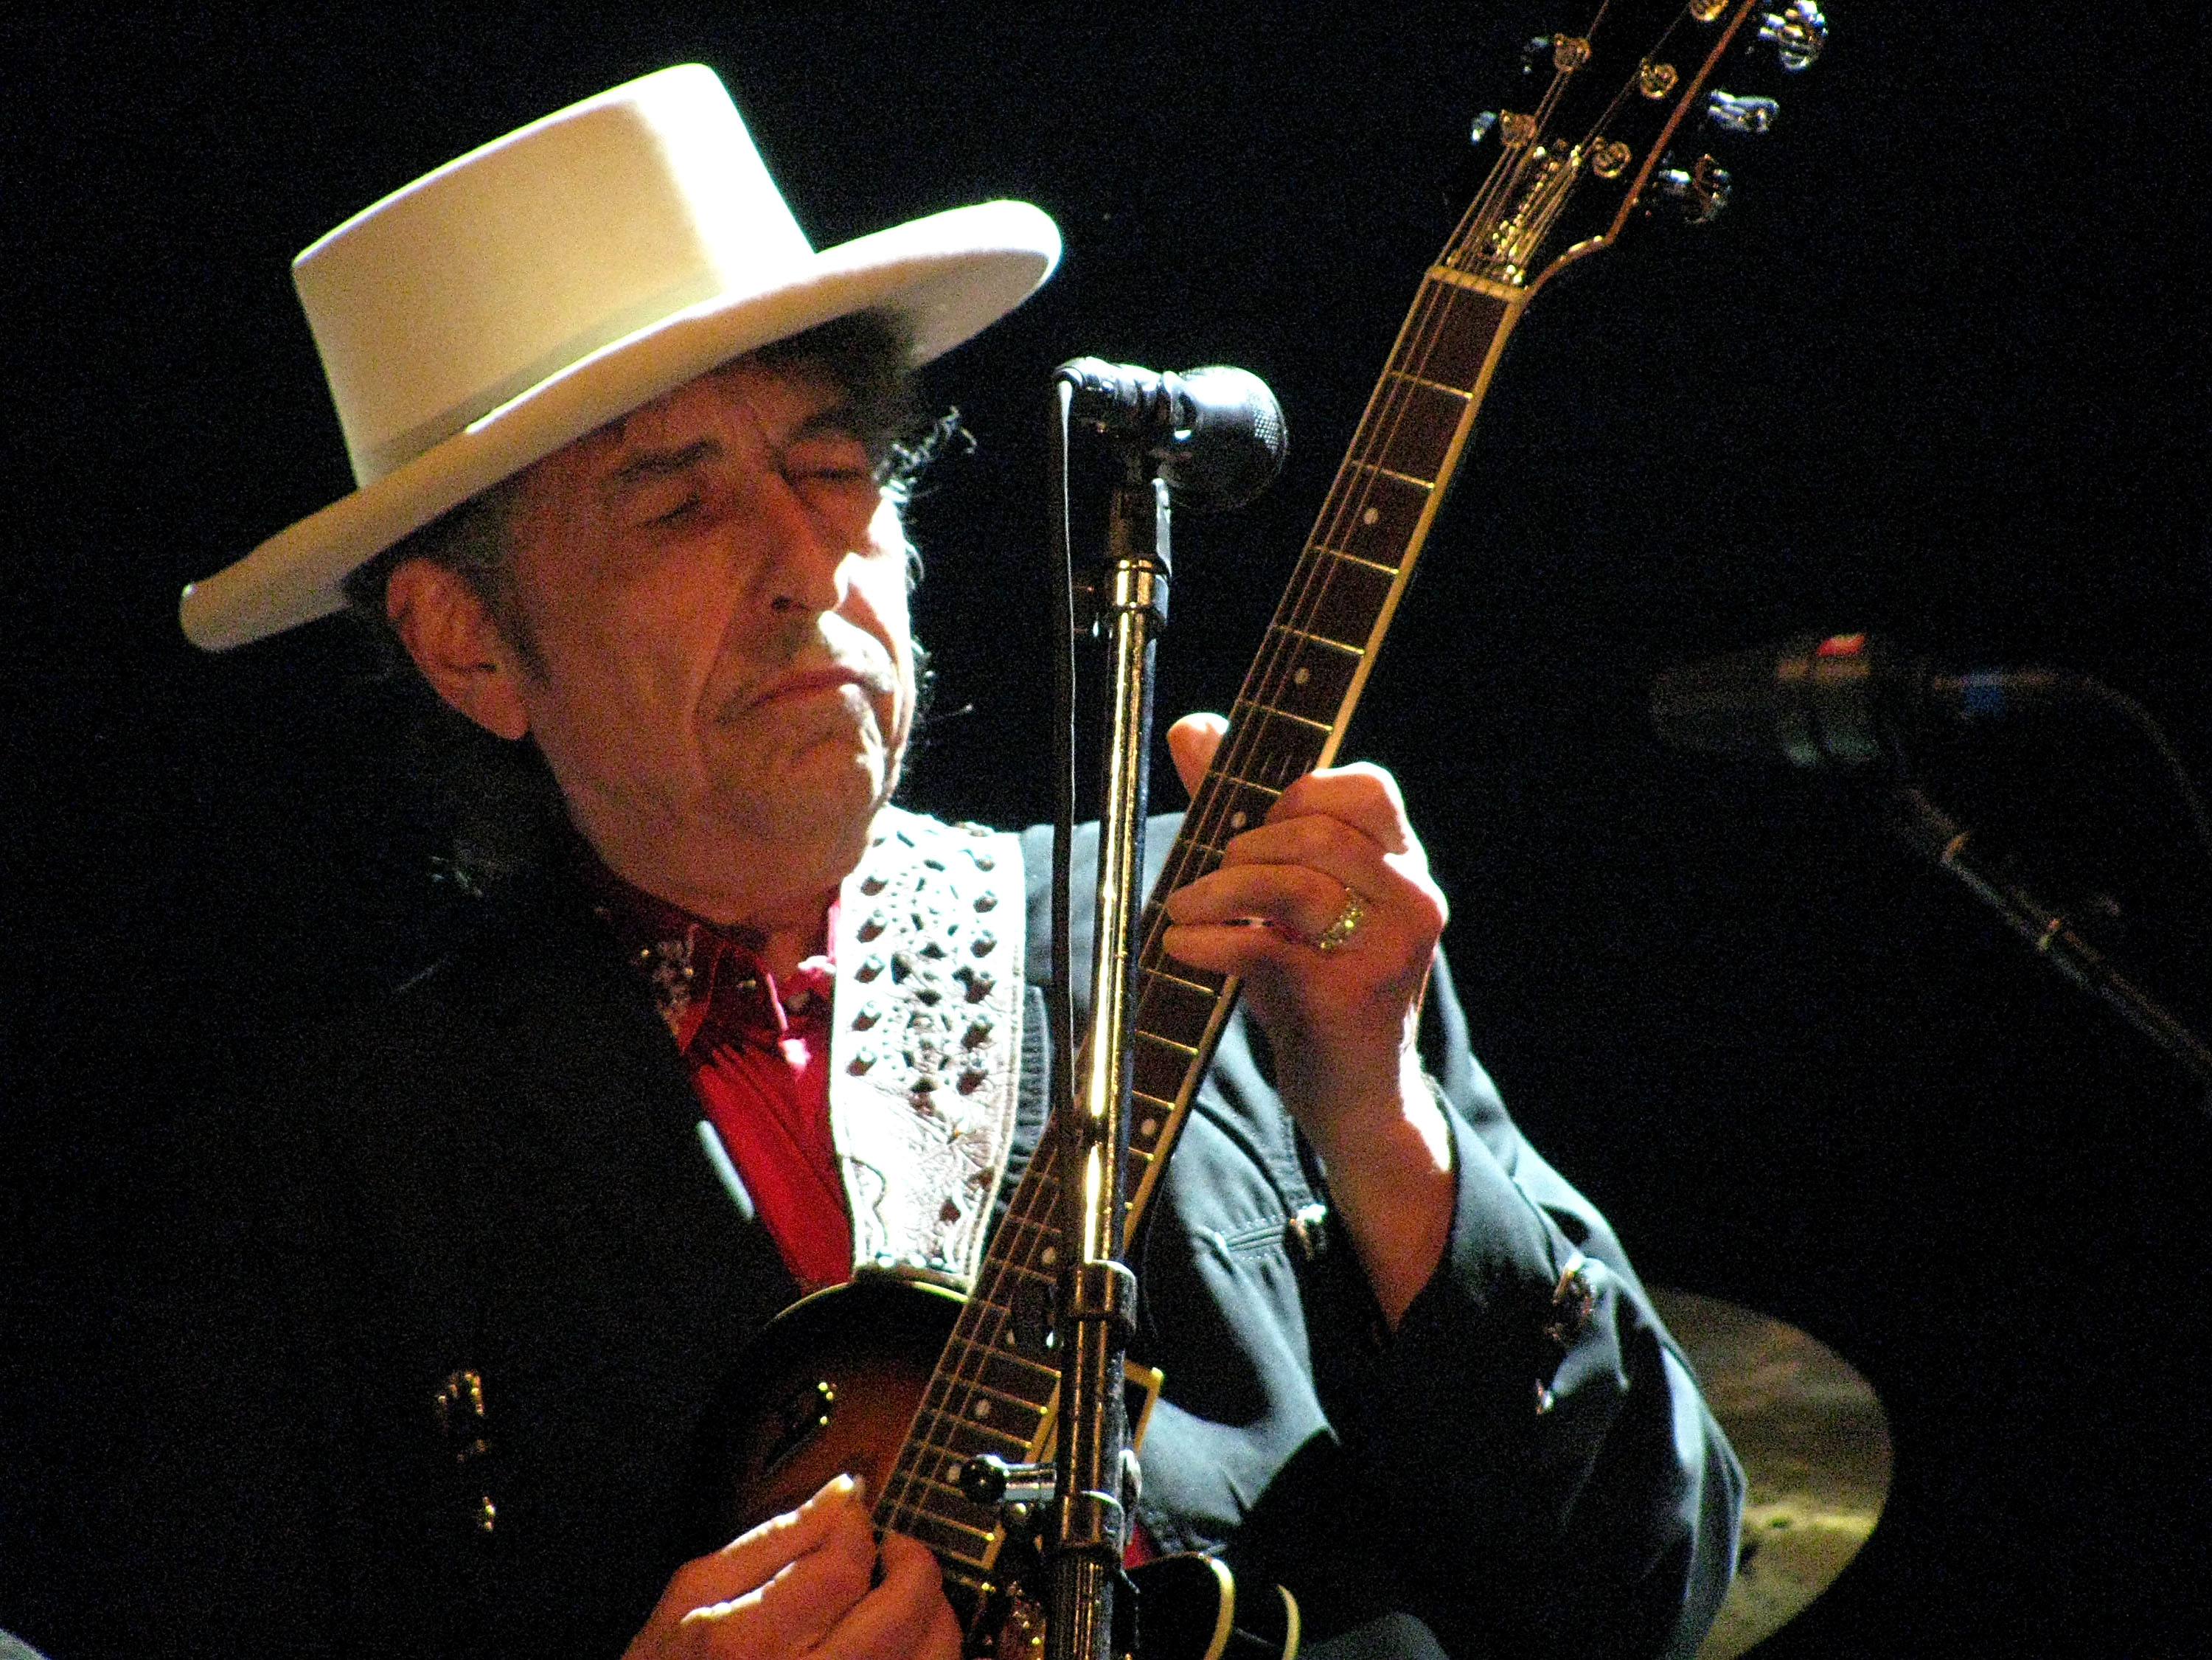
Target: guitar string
950, 1396
1235, 761
949, 1384
1284, 651
1280, 658
1279, 662
1430, 318
1305, 603
1258, 734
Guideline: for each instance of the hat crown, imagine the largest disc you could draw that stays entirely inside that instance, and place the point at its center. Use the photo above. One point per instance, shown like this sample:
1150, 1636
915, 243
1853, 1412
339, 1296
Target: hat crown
445, 299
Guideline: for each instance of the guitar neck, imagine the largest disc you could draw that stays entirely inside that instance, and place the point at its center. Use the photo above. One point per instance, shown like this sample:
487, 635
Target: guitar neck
994, 1389
1290, 713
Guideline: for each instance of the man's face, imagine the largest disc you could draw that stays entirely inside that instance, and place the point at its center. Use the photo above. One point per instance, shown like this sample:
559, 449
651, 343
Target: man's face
715, 589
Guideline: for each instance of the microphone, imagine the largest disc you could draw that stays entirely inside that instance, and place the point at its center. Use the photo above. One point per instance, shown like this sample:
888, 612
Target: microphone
1217, 432
1839, 700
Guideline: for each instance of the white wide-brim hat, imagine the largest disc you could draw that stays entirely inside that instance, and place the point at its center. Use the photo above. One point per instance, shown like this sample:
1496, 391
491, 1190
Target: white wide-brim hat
537, 288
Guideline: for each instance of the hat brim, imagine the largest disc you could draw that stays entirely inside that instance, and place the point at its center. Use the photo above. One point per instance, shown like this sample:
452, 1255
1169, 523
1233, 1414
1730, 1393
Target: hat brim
947, 275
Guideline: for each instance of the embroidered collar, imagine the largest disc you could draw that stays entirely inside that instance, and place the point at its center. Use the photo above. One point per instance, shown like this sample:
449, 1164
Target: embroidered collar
707, 980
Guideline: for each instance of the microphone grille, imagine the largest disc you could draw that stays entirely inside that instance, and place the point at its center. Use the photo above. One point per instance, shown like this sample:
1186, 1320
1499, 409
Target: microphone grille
1237, 443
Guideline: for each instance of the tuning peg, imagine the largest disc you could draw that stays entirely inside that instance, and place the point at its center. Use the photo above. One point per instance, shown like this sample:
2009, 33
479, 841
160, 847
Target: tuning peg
1703, 190
1798, 33
1733, 114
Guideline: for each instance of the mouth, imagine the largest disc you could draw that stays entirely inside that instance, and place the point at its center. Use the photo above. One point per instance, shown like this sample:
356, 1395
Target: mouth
806, 683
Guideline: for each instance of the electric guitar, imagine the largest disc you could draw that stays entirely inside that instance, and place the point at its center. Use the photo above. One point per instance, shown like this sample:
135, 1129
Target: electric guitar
905, 1382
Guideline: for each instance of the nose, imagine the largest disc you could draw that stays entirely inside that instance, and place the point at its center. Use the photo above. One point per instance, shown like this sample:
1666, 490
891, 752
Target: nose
805, 571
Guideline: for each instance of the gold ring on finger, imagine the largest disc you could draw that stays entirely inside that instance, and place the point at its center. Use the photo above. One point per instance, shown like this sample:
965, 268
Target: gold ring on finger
1339, 934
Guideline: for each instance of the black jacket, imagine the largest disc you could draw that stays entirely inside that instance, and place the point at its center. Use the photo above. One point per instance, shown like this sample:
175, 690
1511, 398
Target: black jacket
498, 1170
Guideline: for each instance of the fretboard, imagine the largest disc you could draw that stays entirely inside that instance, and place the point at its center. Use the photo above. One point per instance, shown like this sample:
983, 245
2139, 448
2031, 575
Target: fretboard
1290, 713
994, 1388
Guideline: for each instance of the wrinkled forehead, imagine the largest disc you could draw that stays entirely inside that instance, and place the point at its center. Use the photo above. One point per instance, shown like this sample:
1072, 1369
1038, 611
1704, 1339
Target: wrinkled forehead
776, 398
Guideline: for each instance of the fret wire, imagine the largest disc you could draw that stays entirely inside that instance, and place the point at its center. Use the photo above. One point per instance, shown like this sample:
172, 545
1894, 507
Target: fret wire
1354, 559
1003, 1308
1043, 1378
1209, 792
1174, 979
1006, 1442
903, 1518
994, 1352
955, 1452
924, 1496
1272, 712
957, 1403
957, 1347
1411, 379
1376, 426
1382, 471
945, 1487
945, 1521
1321, 640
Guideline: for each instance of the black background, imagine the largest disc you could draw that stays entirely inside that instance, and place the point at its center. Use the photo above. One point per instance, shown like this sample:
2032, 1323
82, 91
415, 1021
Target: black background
1938, 372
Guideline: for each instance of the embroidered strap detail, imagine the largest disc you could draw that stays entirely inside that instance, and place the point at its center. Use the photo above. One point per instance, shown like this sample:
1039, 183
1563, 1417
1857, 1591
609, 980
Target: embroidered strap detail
925, 1058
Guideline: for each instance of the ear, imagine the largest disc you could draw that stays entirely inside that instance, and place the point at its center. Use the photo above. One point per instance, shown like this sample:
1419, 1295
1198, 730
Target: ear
450, 634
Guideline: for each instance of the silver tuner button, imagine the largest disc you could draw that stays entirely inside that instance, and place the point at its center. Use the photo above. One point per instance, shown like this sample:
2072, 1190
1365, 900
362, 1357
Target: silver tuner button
1702, 190
1733, 114
1797, 34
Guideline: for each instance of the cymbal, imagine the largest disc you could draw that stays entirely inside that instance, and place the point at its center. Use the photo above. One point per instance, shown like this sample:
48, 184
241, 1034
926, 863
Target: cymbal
1814, 1443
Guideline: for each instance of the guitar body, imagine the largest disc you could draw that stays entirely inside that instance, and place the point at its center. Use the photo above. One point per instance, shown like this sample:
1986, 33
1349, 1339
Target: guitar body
832, 1386
829, 1387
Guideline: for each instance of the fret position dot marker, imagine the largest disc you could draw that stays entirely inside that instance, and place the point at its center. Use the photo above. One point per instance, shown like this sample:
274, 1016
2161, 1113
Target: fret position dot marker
1049, 1256
982, 1408
1237, 820
1302, 676
1369, 517
1149, 1128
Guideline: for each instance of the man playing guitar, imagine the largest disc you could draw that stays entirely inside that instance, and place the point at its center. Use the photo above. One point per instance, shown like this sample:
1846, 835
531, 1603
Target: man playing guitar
632, 459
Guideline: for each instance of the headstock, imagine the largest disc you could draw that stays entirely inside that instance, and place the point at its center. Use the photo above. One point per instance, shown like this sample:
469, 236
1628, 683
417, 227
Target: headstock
1619, 118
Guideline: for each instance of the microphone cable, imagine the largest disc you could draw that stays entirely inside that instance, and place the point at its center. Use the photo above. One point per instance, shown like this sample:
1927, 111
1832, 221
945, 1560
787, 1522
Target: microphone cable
1059, 1006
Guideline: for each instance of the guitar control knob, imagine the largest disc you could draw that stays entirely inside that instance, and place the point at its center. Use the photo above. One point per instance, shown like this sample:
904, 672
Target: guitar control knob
990, 1480
1798, 33
1733, 114
1703, 190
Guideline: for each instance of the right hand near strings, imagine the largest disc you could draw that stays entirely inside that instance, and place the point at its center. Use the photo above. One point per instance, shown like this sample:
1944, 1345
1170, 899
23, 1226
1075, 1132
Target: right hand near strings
806, 1582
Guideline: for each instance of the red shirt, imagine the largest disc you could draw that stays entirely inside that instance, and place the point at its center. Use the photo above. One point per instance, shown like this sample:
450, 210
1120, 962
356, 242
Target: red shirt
757, 1049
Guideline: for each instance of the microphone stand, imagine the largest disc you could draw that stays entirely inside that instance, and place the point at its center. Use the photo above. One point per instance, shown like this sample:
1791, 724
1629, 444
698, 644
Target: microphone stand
1086, 1527
1937, 837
